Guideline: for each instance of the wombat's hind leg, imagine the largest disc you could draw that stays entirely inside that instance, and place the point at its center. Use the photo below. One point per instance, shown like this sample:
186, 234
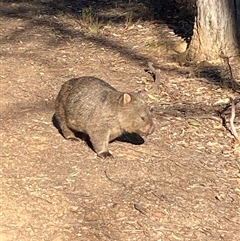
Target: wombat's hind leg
63, 129
67, 133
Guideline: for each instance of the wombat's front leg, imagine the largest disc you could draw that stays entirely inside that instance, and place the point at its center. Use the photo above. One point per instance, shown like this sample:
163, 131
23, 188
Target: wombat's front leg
100, 143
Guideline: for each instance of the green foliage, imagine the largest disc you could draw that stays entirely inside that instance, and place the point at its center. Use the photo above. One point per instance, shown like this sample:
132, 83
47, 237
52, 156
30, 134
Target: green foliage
153, 44
87, 15
89, 18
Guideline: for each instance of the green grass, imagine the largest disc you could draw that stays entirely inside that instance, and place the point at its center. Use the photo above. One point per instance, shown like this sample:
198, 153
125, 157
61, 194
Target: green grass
91, 20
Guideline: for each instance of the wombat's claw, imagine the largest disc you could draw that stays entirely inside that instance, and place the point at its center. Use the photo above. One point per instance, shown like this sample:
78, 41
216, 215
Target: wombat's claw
72, 138
68, 135
105, 154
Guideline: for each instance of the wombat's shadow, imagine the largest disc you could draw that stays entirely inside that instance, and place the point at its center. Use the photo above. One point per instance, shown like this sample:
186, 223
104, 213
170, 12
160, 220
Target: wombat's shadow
133, 138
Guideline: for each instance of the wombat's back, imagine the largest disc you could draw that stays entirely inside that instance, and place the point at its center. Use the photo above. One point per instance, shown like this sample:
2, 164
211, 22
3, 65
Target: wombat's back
86, 99
85, 86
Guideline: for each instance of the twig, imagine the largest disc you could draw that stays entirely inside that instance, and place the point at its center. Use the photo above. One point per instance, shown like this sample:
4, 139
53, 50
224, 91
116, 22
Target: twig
110, 179
226, 60
234, 84
140, 209
233, 109
232, 103
156, 74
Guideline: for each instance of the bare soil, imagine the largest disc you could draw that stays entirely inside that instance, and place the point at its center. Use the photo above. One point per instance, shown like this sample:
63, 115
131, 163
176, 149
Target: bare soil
182, 183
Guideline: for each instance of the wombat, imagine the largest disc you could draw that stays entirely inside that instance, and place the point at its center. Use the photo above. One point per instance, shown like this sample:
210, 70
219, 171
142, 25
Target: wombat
91, 106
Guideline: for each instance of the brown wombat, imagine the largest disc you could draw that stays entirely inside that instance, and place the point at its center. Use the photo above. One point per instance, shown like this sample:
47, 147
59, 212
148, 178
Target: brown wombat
90, 105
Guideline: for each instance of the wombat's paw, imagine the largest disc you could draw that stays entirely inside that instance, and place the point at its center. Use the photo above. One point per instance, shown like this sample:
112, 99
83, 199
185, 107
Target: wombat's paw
73, 138
69, 135
105, 154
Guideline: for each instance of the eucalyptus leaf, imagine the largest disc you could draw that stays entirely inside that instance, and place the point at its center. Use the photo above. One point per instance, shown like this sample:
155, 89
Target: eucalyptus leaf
153, 97
194, 123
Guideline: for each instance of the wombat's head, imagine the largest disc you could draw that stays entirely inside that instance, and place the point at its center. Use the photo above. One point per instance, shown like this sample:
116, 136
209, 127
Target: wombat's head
134, 115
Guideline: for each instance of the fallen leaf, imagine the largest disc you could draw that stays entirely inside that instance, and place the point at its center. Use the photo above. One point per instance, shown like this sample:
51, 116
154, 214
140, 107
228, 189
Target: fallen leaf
222, 101
194, 123
153, 97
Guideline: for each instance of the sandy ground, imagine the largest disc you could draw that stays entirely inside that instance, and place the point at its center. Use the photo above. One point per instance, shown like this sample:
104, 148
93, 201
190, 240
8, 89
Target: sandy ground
183, 183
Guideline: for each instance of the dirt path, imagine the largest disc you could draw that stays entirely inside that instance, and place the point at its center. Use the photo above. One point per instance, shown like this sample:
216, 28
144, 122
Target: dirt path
181, 184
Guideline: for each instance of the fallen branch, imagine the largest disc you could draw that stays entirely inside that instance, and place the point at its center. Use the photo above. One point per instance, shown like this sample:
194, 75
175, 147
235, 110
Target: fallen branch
233, 110
232, 113
156, 74
234, 84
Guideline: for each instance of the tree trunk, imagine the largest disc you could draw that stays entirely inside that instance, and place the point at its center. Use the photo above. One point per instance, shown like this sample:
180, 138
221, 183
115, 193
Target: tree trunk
216, 30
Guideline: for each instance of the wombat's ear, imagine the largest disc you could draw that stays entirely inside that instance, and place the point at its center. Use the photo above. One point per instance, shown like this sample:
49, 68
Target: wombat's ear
126, 98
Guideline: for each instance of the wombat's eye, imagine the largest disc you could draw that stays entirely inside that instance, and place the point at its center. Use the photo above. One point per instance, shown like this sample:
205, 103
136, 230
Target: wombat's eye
143, 118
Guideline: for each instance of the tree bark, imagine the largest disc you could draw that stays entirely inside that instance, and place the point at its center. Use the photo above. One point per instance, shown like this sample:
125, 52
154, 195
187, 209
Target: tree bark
216, 30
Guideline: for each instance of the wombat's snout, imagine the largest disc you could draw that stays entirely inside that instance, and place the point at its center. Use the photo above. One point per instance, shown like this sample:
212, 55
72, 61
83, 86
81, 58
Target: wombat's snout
148, 129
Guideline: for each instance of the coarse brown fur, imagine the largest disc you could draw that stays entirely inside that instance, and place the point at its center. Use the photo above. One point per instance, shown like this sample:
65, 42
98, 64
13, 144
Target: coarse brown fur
90, 105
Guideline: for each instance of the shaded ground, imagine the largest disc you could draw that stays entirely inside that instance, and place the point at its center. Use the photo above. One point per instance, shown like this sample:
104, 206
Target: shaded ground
183, 183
